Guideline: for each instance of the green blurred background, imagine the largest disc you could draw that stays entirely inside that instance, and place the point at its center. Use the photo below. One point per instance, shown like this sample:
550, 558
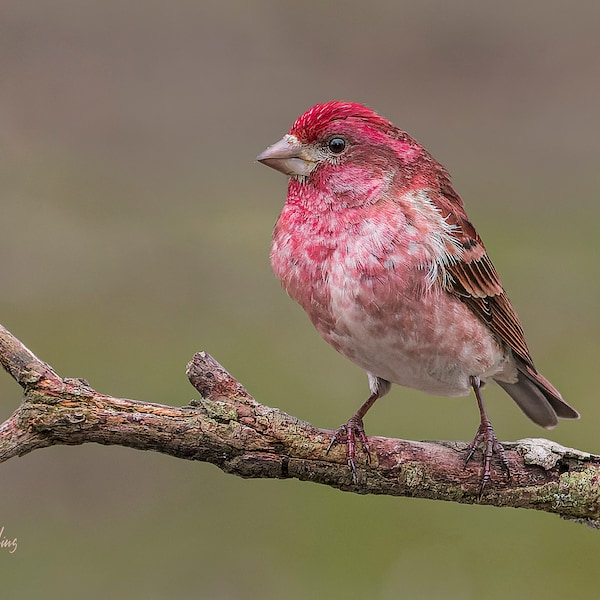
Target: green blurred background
135, 230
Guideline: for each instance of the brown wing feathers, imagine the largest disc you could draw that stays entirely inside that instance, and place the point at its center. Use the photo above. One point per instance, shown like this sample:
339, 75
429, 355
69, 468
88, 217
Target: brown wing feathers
474, 278
475, 282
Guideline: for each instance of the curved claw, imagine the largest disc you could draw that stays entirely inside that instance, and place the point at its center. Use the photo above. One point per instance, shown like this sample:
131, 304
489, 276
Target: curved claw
486, 437
348, 434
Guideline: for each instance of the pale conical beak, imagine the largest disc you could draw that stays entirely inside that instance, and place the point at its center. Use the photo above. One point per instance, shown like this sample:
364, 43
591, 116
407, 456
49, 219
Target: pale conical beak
289, 156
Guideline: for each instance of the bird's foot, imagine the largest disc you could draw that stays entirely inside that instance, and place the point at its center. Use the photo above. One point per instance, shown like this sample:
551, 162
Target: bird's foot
486, 438
349, 434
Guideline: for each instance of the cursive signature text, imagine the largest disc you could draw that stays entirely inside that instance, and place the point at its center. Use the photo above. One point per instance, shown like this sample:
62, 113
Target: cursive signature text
6, 543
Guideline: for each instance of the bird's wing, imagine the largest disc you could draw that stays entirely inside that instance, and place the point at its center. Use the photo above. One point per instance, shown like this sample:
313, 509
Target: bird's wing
474, 279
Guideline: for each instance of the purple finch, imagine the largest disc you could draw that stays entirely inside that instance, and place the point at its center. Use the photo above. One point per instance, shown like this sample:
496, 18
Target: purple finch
374, 243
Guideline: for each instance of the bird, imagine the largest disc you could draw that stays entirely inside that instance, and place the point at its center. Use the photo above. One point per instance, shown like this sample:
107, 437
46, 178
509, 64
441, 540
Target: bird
374, 243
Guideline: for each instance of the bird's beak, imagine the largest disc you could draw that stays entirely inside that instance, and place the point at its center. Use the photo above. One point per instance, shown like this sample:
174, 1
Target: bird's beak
289, 156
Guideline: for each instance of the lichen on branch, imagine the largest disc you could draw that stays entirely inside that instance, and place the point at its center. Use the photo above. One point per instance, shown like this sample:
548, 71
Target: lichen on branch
228, 428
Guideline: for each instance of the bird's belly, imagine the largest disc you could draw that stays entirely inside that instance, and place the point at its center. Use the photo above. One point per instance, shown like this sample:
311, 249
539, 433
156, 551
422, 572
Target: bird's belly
431, 342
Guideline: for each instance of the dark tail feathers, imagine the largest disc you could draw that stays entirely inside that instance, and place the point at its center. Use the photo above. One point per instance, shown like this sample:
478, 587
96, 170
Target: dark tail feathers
538, 398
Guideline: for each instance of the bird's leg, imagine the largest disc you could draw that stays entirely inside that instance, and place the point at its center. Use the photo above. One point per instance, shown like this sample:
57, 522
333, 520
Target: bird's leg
487, 438
354, 430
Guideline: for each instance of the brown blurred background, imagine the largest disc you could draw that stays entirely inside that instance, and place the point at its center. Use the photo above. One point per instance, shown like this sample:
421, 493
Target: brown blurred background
135, 230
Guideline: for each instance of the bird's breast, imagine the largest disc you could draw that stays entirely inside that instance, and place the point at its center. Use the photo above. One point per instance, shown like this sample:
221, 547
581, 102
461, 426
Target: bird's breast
365, 288
326, 261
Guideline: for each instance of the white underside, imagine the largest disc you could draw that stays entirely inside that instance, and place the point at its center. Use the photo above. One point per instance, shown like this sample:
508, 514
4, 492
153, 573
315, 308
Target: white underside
438, 360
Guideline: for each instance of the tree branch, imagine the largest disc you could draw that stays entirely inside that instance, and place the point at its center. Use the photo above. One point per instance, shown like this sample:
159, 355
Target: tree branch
228, 428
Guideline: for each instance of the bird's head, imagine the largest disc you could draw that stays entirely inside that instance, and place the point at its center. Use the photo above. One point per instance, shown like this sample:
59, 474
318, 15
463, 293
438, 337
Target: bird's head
334, 137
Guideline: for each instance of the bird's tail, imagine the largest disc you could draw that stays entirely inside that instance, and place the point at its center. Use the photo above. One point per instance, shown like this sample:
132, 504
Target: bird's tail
538, 398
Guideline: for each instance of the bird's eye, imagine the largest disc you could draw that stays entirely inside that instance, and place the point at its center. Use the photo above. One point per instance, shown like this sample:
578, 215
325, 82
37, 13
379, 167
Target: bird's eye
336, 145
